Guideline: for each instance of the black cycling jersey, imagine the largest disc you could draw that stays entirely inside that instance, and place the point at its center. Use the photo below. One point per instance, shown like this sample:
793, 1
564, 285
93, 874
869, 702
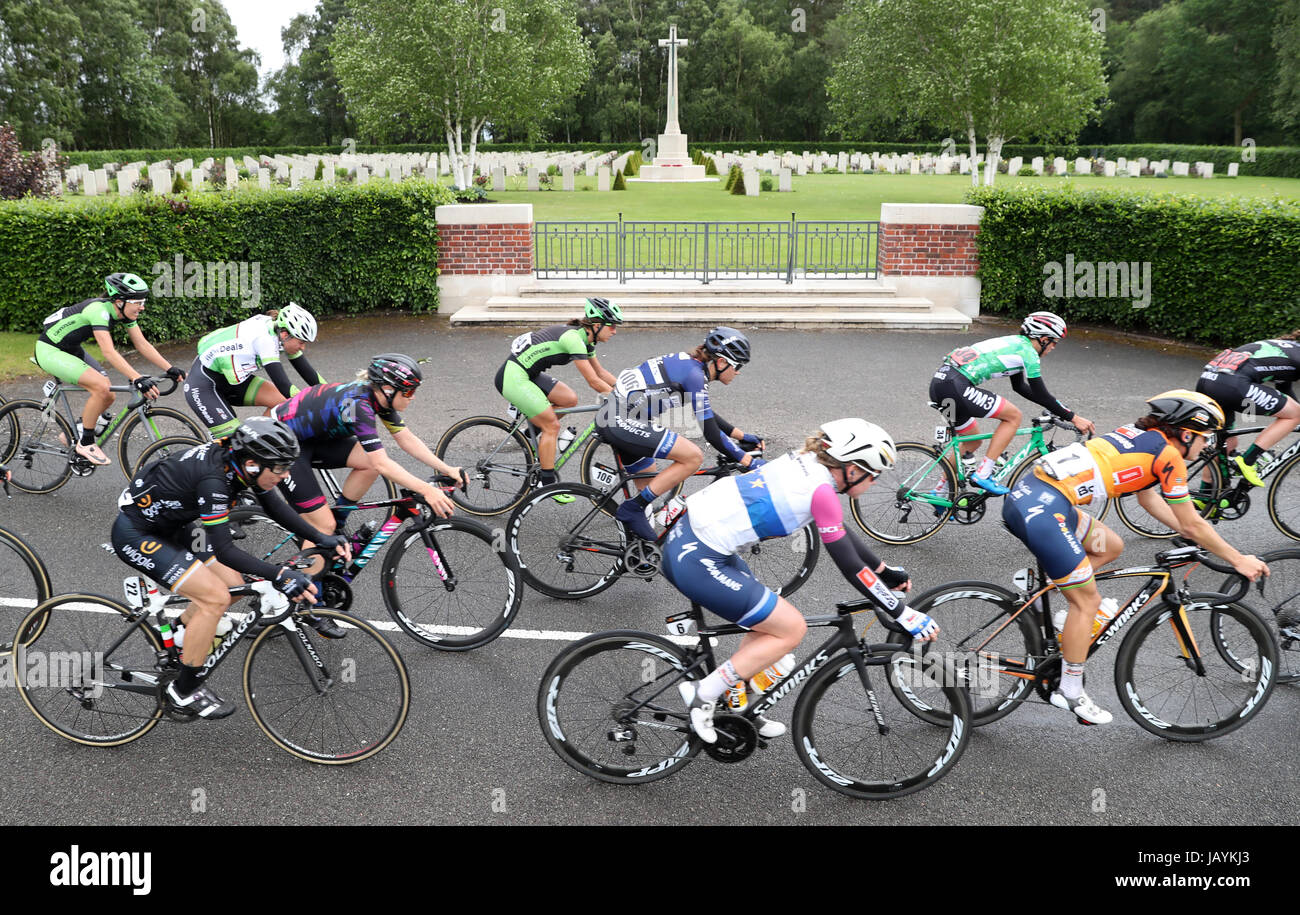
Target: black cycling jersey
69, 328
1272, 361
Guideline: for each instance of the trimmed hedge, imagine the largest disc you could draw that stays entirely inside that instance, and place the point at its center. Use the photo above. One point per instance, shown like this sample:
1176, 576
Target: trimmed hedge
1222, 271
333, 250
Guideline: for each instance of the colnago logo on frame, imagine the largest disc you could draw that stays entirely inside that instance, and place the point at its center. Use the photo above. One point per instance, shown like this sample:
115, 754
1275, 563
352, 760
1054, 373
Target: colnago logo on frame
103, 868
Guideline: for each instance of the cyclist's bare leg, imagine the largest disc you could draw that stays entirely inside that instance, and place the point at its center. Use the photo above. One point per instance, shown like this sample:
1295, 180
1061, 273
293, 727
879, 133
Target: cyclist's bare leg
1008, 422
770, 640
686, 459
1102, 545
269, 396
1084, 601
1283, 422
360, 476
208, 588
548, 425
101, 398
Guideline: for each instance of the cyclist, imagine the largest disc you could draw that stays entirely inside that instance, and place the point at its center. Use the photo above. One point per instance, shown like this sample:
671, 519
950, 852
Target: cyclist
152, 534
59, 351
844, 457
523, 381
224, 374
955, 390
1256, 378
1045, 511
627, 418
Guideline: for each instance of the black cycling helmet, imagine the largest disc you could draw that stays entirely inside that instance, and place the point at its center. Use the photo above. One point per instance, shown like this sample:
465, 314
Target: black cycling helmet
396, 370
125, 286
265, 440
729, 343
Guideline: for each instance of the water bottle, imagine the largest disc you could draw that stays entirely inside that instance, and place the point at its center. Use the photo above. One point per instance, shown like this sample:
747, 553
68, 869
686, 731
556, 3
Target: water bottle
362, 536
1105, 614
223, 627
102, 423
567, 435
763, 680
737, 697
672, 508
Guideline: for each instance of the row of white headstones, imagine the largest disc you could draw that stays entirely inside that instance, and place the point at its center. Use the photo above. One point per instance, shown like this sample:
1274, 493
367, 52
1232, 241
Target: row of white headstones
499, 166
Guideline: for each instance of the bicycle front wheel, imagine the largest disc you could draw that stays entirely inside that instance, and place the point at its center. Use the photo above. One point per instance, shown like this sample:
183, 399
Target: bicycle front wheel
156, 423
460, 593
84, 674
24, 583
857, 737
329, 701
609, 707
565, 543
1205, 495
37, 454
1284, 499
898, 508
162, 449
1192, 674
497, 460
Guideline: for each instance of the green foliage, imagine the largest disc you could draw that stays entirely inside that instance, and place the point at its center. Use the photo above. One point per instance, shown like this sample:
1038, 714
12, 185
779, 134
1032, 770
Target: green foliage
766, 183
22, 173
733, 174
1026, 171
332, 250
710, 167
633, 163
179, 184
1222, 270
619, 184
738, 183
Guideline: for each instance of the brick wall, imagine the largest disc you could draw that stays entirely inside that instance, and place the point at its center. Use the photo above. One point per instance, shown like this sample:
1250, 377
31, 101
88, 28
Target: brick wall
479, 248
927, 250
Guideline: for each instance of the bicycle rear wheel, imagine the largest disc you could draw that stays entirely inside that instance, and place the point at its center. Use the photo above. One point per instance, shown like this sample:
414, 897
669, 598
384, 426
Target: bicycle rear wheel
609, 707
601, 468
74, 684
329, 701
460, 594
38, 453
784, 563
857, 737
162, 449
895, 509
1200, 679
1284, 499
1140, 521
1279, 605
24, 583
137, 433
498, 462
565, 544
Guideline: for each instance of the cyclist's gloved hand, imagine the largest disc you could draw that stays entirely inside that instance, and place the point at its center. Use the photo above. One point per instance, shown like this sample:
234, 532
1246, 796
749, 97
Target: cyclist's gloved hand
291, 583
755, 463
175, 374
894, 577
144, 384
918, 625
750, 439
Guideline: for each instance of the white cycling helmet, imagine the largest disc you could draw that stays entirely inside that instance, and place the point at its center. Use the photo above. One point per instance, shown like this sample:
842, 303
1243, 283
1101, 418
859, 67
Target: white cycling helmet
856, 441
1043, 324
298, 322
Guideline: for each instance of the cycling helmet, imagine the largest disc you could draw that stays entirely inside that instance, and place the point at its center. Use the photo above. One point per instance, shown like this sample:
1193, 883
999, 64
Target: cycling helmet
125, 286
1187, 410
729, 343
856, 441
297, 321
1043, 324
396, 370
265, 440
604, 311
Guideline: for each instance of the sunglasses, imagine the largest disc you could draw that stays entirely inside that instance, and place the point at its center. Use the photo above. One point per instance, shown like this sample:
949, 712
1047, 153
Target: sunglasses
735, 365
277, 468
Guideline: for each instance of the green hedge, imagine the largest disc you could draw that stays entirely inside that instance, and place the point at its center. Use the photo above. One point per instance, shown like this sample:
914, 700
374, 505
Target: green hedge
333, 250
1222, 271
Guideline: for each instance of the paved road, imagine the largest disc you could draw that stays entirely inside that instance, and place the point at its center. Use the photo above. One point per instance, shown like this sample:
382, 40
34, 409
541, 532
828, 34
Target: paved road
471, 751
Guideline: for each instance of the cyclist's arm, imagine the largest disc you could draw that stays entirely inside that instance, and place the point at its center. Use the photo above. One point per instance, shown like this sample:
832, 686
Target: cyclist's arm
144, 347
601, 381
114, 358
1182, 517
280, 378
216, 529
413, 445
722, 443
1034, 389
736, 433
280, 512
306, 369
856, 562
391, 470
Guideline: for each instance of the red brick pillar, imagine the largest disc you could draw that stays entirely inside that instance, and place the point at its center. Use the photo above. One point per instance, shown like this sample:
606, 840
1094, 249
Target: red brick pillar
484, 250
928, 250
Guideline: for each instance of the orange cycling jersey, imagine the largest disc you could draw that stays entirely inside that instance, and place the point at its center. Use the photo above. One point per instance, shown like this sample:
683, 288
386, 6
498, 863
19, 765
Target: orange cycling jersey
1125, 460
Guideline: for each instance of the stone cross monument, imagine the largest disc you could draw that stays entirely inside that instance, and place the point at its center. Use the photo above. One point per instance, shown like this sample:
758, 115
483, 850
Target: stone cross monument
671, 163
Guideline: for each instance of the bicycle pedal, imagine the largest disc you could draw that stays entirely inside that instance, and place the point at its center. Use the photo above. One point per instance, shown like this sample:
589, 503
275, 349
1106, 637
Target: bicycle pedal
563, 498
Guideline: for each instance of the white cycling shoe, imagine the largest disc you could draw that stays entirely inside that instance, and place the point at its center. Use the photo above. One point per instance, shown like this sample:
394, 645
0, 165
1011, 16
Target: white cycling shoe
701, 712
1087, 711
767, 728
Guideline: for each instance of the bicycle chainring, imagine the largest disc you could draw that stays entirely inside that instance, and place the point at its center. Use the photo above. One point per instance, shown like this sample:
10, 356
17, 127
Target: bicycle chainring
335, 592
80, 466
1238, 505
1048, 677
642, 558
737, 738
970, 507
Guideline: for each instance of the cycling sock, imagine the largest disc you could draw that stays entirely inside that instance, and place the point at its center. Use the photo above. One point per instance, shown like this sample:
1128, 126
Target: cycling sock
644, 497
1251, 455
1071, 679
84, 435
985, 468
188, 681
717, 683
343, 509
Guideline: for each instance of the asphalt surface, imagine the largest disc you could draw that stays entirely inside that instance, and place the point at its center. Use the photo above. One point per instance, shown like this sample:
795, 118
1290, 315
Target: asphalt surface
472, 751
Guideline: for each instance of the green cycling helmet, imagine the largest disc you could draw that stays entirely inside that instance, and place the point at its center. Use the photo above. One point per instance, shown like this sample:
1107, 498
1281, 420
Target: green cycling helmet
604, 311
125, 286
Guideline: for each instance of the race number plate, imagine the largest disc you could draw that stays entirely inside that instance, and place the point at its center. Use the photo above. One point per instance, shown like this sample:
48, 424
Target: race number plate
133, 587
941, 434
50, 387
603, 477
679, 624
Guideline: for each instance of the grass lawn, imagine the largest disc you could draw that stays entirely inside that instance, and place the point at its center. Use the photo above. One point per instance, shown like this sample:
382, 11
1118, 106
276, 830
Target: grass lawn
831, 196
16, 350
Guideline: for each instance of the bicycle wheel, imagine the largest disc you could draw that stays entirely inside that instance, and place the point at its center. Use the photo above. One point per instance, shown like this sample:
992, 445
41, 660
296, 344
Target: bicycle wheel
977, 634
72, 686
565, 544
8, 430
1140, 521
600, 468
1284, 499
609, 707
137, 432
1279, 605
1174, 683
895, 509
37, 454
24, 583
498, 463
861, 739
257, 534
784, 563
460, 594
162, 449
330, 701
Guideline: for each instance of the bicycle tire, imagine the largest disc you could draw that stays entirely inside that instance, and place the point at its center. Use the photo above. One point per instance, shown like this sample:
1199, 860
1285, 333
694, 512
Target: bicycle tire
24, 583
784, 563
362, 670
486, 449
480, 602
72, 631
256, 533
38, 456
889, 513
584, 701
1139, 520
1281, 593
999, 658
8, 430
1284, 499
1151, 666
873, 749
162, 449
135, 434
539, 529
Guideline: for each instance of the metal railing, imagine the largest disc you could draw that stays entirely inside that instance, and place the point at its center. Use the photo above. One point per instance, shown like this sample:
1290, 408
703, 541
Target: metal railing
704, 251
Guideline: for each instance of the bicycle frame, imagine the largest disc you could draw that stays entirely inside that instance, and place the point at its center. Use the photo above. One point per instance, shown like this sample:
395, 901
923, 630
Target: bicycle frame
529, 431
1228, 468
1037, 444
56, 394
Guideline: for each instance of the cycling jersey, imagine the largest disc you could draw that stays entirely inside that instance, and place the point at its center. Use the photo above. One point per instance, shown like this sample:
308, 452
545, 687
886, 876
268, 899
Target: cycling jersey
1126, 460
237, 351
559, 344
326, 412
668, 382
1275, 361
69, 328
1014, 355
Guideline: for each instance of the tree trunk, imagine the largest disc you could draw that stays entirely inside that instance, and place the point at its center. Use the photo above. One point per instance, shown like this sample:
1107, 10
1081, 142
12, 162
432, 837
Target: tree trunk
974, 151
991, 165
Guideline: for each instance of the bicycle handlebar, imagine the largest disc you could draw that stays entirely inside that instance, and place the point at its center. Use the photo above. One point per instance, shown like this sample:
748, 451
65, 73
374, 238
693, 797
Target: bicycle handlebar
1191, 552
158, 380
1047, 419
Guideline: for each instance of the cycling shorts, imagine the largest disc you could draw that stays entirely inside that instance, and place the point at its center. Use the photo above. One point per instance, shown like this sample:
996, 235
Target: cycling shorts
1238, 394
65, 366
213, 399
633, 439
719, 582
1044, 519
529, 395
301, 489
167, 559
960, 401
